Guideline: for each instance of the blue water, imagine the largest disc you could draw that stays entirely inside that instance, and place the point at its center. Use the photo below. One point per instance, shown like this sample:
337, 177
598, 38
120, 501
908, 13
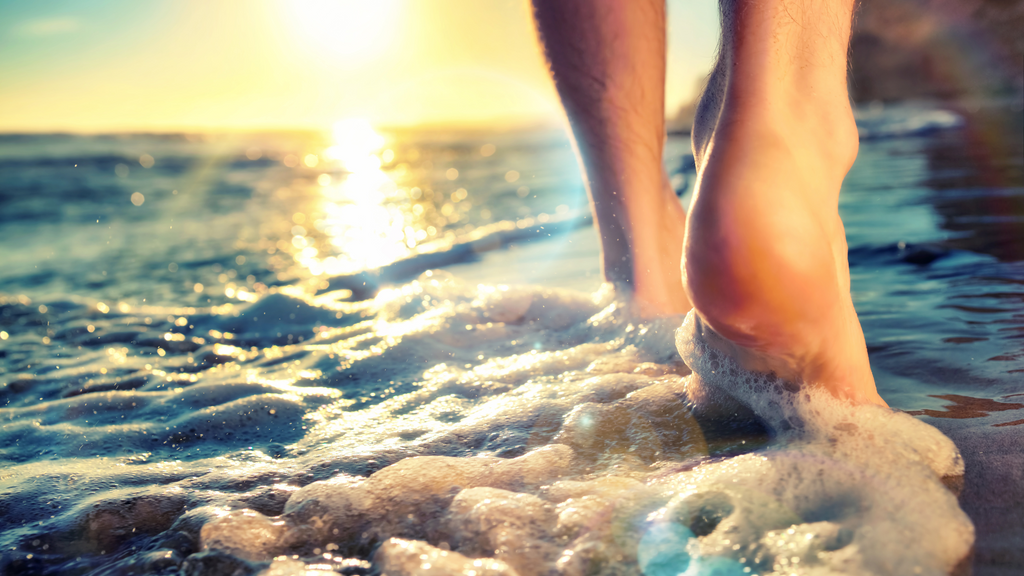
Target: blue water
198, 321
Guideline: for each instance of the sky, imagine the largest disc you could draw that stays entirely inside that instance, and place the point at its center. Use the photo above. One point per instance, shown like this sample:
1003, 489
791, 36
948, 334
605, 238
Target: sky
171, 65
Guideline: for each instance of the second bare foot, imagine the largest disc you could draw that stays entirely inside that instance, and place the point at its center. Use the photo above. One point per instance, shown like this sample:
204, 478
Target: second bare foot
765, 261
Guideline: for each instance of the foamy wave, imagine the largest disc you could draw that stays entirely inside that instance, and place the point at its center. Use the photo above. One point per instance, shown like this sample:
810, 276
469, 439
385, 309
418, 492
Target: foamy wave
444, 252
443, 428
867, 481
879, 121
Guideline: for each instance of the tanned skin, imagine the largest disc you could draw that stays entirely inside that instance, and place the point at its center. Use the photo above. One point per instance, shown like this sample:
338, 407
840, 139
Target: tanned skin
763, 249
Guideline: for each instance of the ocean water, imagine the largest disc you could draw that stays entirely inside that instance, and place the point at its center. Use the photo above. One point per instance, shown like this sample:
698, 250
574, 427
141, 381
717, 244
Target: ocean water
365, 353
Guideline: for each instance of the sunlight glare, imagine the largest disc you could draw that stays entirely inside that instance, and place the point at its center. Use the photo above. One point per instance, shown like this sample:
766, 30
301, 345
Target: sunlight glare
363, 222
355, 144
354, 29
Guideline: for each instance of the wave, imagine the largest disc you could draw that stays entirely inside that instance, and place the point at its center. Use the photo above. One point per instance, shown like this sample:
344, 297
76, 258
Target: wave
443, 428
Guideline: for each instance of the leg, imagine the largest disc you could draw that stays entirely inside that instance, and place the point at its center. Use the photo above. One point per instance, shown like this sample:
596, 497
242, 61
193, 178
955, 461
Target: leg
608, 61
765, 255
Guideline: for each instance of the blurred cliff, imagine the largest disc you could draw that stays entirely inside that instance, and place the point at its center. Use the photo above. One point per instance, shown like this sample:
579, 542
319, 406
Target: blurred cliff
967, 51
937, 49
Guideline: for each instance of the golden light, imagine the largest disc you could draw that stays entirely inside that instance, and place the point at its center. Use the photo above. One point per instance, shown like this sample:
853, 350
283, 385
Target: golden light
354, 29
364, 220
355, 145
283, 64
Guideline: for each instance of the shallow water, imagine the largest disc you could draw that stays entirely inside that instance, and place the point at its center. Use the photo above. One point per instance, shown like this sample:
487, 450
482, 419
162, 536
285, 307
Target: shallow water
212, 375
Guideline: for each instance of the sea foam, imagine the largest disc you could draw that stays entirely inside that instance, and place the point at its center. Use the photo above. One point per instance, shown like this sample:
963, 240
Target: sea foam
838, 490
445, 429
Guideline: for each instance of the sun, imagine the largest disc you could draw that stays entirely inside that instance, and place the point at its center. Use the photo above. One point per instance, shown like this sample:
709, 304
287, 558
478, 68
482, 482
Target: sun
353, 29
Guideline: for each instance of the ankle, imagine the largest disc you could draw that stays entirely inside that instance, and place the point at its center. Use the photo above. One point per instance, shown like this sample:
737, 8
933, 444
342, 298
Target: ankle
818, 135
656, 240
642, 226
821, 127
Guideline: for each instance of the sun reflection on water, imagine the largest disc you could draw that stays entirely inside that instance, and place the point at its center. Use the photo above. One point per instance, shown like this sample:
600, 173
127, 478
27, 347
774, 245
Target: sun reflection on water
362, 200
363, 221
356, 145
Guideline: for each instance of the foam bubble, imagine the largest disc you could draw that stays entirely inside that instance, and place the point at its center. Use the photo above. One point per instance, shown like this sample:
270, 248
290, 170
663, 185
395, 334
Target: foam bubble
498, 430
846, 488
412, 558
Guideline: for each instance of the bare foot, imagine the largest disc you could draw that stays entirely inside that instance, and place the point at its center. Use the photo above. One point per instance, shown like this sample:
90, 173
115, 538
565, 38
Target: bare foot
765, 262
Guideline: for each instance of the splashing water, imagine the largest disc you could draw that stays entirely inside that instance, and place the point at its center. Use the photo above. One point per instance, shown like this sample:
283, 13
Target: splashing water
209, 394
